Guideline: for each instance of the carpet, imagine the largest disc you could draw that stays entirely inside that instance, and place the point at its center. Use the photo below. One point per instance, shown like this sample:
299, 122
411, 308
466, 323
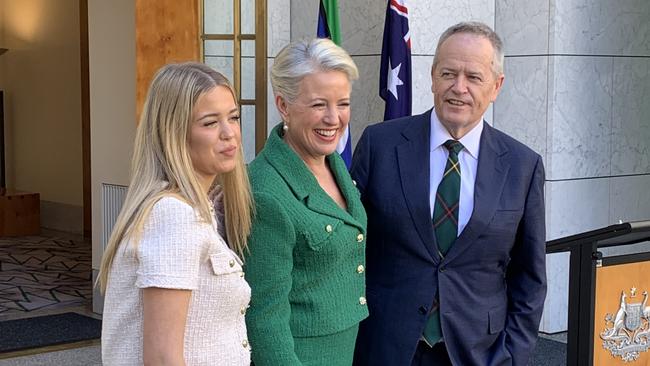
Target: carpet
548, 353
48, 330
40, 272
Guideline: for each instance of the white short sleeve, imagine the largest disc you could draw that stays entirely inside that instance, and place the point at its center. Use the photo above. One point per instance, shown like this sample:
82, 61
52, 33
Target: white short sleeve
171, 246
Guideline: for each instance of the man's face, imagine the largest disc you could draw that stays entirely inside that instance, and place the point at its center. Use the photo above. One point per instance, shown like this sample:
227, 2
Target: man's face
463, 82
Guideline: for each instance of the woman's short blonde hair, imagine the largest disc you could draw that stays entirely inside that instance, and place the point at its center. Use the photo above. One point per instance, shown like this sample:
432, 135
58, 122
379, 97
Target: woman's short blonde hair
301, 58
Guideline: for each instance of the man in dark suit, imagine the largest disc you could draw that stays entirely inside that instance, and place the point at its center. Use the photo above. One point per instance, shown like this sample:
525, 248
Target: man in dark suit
456, 233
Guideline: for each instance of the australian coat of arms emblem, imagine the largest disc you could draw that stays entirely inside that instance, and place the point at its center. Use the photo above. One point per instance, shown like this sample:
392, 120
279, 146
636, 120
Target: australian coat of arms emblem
629, 334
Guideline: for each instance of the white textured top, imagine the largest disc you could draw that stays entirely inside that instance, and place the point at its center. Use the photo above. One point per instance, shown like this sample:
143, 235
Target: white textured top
178, 251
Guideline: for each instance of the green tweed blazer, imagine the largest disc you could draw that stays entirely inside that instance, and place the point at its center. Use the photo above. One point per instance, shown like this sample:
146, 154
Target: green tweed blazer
307, 255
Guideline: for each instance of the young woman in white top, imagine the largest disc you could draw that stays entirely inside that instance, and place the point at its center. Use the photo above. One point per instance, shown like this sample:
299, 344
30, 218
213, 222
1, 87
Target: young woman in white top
172, 274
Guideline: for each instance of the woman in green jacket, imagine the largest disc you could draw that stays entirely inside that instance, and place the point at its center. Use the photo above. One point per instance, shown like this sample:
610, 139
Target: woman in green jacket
307, 245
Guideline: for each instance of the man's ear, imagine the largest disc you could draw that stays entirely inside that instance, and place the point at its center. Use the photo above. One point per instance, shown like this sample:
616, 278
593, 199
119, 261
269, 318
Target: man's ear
497, 86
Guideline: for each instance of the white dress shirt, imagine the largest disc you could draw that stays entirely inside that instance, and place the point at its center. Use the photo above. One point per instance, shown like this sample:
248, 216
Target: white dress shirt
468, 159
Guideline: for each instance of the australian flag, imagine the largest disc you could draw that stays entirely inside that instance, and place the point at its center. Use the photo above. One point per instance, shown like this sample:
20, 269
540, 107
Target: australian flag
395, 72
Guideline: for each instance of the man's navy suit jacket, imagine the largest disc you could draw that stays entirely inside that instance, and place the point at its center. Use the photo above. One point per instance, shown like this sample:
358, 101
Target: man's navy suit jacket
491, 284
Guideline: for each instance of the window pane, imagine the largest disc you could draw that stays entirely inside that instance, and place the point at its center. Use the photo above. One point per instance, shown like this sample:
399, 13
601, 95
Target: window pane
248, 131
222, 64
248, 48
248, 70
248, 16
218, 48
218, 16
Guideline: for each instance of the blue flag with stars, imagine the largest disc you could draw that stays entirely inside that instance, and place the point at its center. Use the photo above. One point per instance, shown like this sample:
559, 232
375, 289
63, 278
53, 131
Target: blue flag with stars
395, 72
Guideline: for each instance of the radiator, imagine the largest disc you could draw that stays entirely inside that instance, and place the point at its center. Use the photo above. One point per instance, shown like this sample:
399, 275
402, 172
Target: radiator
112, 200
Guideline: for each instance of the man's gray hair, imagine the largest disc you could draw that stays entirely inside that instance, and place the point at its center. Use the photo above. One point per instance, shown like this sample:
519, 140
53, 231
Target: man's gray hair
301, 58
478, 29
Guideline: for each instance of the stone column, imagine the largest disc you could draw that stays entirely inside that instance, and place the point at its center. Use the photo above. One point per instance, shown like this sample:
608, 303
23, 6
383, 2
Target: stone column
577, 82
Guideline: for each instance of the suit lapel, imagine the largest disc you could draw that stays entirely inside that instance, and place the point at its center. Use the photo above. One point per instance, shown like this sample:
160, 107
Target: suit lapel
320, 202
305, 186
355, 209
493, 166
413, 162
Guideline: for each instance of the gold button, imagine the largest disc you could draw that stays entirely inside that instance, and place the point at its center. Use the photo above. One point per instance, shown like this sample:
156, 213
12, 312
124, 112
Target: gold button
231, 263
360, 238
362, 300
360, 269
328, 228
242, 311
244, 343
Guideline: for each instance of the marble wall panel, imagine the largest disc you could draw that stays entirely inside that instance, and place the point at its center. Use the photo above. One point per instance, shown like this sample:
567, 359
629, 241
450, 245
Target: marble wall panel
588, 27
643, 247
422, 98
427, 19
278, 26
304, 19
630, 116
629, 199
523, 26
488, 116
521, 108
361, 23
366, 106
362, 26
574, 206
579, 117
555, 315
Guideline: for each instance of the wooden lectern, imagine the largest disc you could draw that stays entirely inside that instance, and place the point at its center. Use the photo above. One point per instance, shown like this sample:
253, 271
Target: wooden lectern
609, 312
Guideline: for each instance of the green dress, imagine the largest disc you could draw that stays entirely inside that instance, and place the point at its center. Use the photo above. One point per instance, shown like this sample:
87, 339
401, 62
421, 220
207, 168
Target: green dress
306, 262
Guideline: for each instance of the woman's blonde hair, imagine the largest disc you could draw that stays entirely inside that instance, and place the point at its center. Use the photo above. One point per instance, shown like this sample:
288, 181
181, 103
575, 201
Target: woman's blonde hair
161, 163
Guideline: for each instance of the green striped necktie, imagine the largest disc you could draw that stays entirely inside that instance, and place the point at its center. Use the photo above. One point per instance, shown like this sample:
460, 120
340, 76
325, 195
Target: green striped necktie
445, 223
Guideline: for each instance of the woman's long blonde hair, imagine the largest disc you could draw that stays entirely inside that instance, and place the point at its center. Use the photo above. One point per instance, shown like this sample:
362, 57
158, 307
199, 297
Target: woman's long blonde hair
161, 163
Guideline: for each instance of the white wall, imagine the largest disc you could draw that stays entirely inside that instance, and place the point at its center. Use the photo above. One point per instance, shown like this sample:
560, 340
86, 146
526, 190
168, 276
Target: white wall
42, 82
111, 39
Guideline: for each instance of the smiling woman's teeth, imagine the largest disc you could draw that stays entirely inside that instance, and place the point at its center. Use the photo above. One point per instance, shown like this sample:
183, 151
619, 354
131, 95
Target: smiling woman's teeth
326, 133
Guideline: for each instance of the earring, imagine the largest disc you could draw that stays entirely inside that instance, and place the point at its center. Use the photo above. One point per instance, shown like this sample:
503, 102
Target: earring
285, 127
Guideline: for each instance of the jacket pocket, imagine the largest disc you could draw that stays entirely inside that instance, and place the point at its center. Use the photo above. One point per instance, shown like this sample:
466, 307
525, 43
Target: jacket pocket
318, 234
224, 263
505, 221
496, 320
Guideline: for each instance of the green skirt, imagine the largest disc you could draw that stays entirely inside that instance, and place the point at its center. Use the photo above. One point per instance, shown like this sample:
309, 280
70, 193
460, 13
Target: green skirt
329, 350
